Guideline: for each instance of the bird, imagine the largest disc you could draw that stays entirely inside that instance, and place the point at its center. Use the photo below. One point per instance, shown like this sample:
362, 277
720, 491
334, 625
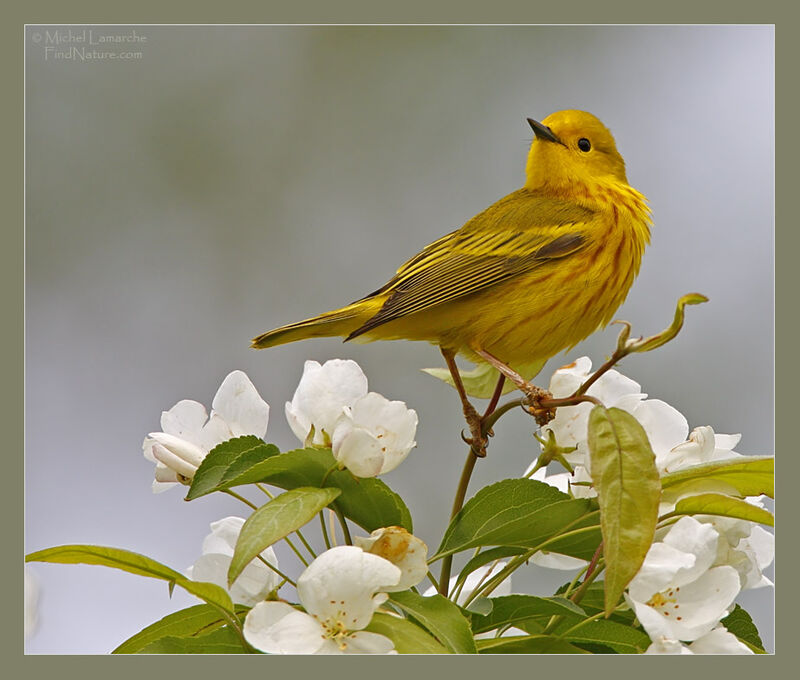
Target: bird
528, 277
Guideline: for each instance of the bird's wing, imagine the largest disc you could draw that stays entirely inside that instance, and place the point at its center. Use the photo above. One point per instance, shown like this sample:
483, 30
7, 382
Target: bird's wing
512, 237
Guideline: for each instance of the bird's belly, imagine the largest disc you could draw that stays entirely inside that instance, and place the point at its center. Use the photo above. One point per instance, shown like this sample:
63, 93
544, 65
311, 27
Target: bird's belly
537, 324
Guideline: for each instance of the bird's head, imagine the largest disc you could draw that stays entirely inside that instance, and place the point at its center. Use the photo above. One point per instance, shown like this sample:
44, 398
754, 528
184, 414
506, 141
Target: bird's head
572, 146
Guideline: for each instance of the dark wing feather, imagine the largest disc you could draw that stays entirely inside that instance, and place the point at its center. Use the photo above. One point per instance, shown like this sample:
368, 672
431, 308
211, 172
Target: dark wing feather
512, 237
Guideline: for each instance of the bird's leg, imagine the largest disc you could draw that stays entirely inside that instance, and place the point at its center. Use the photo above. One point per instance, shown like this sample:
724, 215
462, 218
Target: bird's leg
478, 441
534, 394
498, 392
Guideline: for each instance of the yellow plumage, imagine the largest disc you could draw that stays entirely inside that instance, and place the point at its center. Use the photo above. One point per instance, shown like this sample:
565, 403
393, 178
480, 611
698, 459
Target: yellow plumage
533, 274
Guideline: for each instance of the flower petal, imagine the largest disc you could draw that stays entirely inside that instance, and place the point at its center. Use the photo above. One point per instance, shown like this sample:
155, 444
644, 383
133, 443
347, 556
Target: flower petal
696, 538
664, 646
359, 451
664, 425
188, 452
239, 403
175, 463
322, 393
692, 610
719, 641
402, 549
364, 642
224, 534
278, 628
551, 560
184, 420
340, 584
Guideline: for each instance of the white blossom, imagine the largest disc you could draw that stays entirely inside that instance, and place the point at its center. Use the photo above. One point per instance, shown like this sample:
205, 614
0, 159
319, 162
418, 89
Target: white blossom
717, 641
374, 435
188, 433
323, 392
677, 593
703, 446
255, 582
340, 590
402, 549
745, 546
664, 425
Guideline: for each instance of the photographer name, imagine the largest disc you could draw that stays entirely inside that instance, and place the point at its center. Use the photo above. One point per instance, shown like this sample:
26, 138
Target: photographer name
91, 37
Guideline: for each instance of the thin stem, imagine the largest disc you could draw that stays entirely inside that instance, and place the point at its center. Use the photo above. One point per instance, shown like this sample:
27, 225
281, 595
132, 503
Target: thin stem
332, 526
266, 491
593, 561
458, 503
327, 474
324, 530
615, 357
432, 579
493, 417
575, 580
240, 498
569, 401
276, 570
306, 544
581, 591
343, 522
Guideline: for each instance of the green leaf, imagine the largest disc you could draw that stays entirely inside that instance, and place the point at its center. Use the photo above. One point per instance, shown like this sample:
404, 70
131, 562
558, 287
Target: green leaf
408, 638
528, 644
749, 476
628, 489
239, 453
220, 641
133, 563
369, 502
441, 617
740, 623
275, 520
514, 512
480, 382
192, 621
623, 639
725, 506
512, 609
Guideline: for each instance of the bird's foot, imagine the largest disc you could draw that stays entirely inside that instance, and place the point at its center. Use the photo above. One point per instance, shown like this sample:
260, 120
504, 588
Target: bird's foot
478, 441
534, 396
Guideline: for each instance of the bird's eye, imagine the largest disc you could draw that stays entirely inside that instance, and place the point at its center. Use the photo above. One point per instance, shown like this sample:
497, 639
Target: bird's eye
584, 144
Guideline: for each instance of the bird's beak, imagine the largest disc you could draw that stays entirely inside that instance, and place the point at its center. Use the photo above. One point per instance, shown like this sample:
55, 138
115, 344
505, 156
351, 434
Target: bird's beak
543, 132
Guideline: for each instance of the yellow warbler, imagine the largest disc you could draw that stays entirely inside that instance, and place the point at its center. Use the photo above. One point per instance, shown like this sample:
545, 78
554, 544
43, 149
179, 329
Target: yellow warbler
533, 274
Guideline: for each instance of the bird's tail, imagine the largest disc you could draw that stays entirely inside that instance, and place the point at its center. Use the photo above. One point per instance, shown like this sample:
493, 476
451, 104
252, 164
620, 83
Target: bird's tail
338, 322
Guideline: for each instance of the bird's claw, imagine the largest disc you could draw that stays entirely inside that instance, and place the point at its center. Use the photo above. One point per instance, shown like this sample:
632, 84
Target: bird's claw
477, 442
534, 396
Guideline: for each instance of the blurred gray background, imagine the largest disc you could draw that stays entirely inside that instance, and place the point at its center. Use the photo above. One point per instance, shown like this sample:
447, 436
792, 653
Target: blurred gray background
232, 179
